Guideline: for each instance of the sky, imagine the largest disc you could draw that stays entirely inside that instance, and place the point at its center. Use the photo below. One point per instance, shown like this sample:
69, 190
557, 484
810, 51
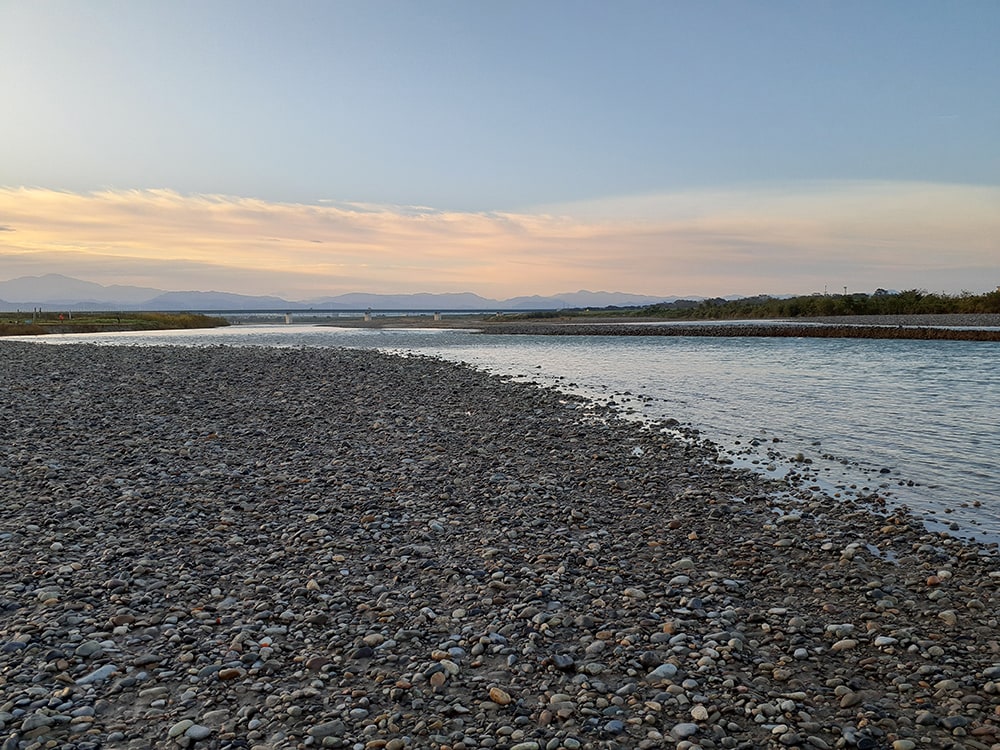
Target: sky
709, 147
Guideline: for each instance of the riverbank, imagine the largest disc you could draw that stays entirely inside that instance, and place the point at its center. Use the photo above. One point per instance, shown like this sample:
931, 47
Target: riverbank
747, 329
980, 320
919, 327
279, 548
25, 324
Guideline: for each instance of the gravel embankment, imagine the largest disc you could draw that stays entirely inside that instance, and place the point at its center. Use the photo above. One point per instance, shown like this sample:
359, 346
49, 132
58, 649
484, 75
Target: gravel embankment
923, 327
267, 548
980, 319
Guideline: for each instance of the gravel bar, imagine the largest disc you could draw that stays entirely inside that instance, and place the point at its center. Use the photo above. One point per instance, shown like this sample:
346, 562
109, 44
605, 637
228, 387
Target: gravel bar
771, 329
949, 319
290, 548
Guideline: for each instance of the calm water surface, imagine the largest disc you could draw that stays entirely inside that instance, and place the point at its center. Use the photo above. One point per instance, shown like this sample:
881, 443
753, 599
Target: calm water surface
915, 421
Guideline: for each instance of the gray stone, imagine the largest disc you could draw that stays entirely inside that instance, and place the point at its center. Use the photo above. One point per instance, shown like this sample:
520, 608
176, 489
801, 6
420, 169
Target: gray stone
88, 649
176, 730
662, 672
684, 730
98, 675
36, 721
198, 732
334, 728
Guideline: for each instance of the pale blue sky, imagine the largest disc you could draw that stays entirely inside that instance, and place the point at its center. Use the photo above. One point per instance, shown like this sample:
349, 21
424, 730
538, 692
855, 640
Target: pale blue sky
482, 107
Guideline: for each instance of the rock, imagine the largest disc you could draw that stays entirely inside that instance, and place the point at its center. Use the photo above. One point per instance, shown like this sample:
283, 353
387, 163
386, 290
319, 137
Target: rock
215, 718
176, 730
500, 697
662, 672
614, 726
683, 731
851, 699
197, 732
334, 728
88, 649
845, 644
98, 675
36, 721
563, 662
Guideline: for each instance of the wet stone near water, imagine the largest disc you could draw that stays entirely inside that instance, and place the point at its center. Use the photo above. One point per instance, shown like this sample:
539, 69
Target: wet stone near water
268, 548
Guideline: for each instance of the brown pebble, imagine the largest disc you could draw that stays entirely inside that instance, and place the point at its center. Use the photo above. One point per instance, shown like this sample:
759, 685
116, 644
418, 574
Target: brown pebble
851, 699
316, 663
500, 697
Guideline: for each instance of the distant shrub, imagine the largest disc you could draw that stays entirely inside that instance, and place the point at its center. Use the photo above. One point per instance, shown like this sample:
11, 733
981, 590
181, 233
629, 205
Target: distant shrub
20, 329
179, 320
95, 322
908, 302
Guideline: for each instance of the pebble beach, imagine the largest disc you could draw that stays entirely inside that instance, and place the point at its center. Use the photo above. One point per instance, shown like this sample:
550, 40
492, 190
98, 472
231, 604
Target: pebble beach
288, 548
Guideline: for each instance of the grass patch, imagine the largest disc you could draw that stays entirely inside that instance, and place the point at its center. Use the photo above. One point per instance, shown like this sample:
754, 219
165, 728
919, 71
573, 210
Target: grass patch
22, 324
8, 328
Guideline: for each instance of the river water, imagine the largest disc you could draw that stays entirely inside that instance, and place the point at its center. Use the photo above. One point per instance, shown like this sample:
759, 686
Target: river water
914, 422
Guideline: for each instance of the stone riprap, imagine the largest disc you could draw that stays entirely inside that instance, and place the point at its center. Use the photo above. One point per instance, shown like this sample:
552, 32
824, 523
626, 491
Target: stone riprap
278, 548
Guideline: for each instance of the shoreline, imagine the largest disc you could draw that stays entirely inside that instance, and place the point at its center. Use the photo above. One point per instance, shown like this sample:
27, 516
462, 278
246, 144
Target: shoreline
136, 322
910, 327
747, 329
334, 548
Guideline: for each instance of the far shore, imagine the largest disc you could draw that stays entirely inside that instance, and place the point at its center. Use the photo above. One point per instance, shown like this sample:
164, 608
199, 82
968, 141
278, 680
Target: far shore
40, 324
937, 327
963, 327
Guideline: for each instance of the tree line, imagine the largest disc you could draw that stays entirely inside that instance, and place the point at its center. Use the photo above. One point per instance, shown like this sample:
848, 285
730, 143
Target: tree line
881, 302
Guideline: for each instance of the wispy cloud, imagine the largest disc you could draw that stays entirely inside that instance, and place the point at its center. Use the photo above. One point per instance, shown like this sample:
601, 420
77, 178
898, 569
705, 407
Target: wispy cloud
777, 239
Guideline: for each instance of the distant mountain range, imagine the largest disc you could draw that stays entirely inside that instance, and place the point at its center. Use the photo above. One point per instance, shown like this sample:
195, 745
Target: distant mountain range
55, 291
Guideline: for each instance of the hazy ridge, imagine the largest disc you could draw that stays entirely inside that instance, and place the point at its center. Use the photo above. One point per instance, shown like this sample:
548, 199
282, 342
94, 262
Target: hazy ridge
64, 292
